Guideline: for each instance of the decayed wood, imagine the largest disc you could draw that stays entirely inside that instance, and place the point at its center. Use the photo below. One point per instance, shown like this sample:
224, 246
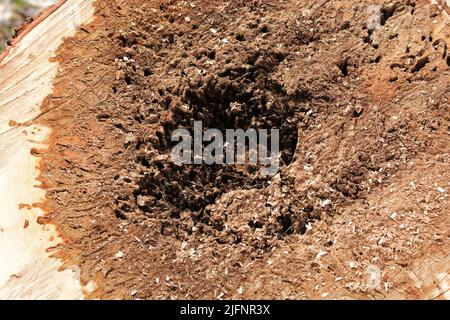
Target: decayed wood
26, 78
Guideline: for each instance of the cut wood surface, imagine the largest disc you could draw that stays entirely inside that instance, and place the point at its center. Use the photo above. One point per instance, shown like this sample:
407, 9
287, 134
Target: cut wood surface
378, 232
26, 76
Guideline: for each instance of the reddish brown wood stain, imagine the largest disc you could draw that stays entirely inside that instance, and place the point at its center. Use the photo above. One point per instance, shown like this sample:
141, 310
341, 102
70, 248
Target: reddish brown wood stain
13, 123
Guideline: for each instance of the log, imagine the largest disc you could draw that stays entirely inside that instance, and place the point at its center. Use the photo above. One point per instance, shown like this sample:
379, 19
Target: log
26, 77
27, 269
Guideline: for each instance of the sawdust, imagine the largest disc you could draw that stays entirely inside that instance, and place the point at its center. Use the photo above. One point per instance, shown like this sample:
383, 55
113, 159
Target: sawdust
365, 134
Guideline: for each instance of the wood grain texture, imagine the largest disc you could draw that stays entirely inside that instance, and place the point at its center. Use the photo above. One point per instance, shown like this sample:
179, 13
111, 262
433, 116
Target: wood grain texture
26, 78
